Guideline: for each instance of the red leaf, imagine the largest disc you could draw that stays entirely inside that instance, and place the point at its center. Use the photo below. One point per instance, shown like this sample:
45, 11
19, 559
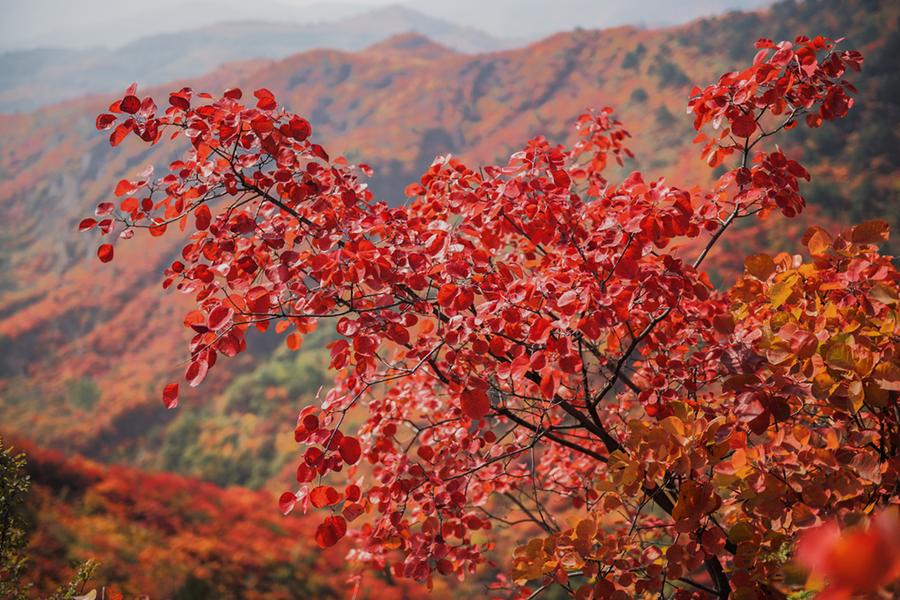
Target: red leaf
105, 121
310, 423
567, 298
196, 372
120, 132
305, 473
475, 403
350, 450
219, 317
313, 456
130, 104
196, 320
233, 93
286, 502
413, 190
104, 208
203, 217
353, 493
170, 395
86, 224
179, 101
105, 253
540, 330
352, 511
266, 99
447, 293
324, 495
744, 126
300, 128
293, 341
229, 345
124, 187
331, 531
426, 453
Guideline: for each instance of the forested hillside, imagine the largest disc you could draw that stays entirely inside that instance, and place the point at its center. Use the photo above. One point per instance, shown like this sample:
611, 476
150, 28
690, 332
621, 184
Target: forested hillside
166, 536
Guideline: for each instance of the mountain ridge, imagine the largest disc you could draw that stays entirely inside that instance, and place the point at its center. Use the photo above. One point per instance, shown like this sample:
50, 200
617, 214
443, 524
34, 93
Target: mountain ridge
32, 78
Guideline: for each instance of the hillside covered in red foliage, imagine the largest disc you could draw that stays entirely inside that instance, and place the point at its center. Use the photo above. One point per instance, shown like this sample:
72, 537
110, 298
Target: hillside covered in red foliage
167, 536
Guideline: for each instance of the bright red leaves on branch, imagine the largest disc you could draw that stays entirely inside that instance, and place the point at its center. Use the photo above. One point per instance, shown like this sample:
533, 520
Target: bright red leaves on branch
855, 562
266, 99
350, 450
324, 495
170, 395
531, 343
331, 531
286, 502
105, 252
475, 403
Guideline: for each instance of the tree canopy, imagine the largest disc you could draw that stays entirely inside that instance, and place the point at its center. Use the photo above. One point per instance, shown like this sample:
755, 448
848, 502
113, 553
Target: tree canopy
533, 346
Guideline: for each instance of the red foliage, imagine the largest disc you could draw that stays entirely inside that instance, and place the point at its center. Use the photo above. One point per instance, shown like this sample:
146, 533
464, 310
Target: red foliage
159, 535
857, 561
530, 340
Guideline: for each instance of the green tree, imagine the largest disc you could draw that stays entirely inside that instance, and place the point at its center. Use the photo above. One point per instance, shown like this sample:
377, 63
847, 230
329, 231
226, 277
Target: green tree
14, 484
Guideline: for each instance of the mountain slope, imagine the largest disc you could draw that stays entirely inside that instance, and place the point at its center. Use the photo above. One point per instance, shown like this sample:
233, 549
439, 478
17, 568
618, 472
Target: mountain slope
85, 345
40, 23
530, 19
165, 536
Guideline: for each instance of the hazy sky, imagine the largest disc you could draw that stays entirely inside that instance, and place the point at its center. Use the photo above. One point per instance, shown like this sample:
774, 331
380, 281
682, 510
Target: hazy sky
83, 23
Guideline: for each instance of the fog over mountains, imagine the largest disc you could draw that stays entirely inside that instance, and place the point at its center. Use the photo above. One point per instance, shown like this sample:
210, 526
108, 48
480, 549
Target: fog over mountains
50, 51
89, 23
36, 77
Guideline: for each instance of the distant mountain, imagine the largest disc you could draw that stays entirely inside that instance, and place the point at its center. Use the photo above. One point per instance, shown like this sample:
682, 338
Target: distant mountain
91, 23
88, 23
530, 19
33, 78
84, 346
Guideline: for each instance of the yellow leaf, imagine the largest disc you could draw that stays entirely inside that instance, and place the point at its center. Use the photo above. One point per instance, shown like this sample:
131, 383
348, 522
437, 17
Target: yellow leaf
889, 324
781, 291
817, 240
887, 375
674, 426
740, 532
839, 356
884, 294
856, 395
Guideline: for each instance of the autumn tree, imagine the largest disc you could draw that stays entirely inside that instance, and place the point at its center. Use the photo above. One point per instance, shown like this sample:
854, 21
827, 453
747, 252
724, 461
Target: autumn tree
534, 345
